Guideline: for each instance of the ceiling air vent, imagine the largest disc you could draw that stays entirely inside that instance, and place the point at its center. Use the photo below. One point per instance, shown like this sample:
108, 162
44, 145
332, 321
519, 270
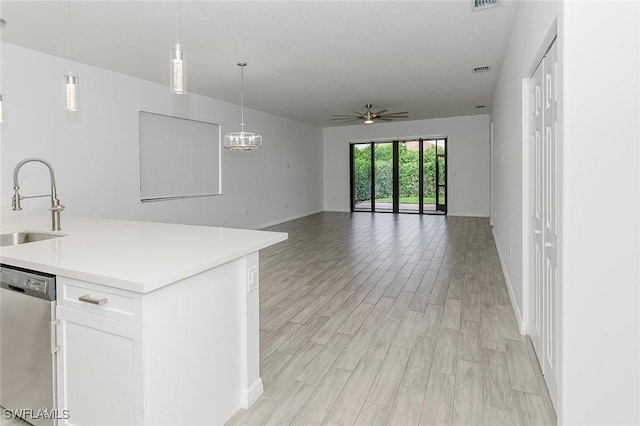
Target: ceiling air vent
478, 70
484, 4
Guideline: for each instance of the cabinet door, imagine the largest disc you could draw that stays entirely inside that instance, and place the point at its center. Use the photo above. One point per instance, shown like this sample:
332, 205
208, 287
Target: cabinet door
99, 370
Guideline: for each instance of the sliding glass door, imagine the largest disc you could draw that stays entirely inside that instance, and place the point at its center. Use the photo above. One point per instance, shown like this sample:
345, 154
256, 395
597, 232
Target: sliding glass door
361, 176
399, 176
409, 177
383, 172
434, 165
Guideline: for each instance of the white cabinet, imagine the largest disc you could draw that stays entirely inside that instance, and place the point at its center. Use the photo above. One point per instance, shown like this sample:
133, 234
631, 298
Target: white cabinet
187, 353
99, 370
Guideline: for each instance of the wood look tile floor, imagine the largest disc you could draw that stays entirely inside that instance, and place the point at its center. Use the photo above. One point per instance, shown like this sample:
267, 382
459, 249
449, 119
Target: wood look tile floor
381, 319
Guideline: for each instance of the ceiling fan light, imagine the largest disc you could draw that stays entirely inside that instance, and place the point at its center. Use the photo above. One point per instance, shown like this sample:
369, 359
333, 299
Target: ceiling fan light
368, 121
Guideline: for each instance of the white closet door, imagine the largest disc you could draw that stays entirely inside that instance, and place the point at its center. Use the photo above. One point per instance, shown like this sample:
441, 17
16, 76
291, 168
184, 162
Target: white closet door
543, 124
536, 132
550, 220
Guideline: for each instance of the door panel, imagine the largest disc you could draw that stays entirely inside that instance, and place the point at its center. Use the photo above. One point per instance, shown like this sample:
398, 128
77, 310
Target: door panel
409, 176
361, 176
543, 100
383, 172
550, 226
429, 175
536, 128
441, 175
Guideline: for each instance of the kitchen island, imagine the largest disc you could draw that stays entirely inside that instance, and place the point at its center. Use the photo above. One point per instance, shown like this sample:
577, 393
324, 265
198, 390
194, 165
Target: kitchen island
157, 324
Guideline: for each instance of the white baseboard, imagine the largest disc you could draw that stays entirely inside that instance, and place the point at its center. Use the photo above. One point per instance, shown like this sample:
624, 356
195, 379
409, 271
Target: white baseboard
286, 219
522, 324
466, 214
251, 395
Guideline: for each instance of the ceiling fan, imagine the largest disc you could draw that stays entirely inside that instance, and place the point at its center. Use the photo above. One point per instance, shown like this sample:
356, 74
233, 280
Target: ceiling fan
368, 117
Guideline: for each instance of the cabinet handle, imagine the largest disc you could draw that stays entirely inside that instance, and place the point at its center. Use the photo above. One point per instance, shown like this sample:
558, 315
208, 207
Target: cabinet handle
88, 299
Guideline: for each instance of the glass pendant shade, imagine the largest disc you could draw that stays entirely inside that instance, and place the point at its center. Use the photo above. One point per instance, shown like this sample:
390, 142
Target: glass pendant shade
242, 141
177, 70
72, 91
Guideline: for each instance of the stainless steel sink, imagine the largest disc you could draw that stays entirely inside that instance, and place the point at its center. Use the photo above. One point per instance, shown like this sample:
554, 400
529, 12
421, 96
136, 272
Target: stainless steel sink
15, 238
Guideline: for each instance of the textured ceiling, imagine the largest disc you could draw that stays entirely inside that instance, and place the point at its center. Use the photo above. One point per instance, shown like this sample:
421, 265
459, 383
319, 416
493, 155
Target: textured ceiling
306, 60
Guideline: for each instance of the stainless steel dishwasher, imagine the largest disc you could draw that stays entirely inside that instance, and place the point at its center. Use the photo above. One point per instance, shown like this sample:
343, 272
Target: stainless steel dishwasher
27, 344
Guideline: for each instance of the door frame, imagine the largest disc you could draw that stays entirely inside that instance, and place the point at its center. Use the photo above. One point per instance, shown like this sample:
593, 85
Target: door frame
396, 174
446, 181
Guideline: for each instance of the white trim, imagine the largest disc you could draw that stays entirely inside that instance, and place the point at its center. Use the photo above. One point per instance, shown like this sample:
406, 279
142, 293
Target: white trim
286, 219
460, 214
251, 395
516, 310
491, 166
526, 220
342, 211
396, 138
176, 114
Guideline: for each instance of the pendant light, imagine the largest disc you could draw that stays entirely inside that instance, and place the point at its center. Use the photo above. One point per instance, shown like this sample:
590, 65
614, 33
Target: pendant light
71, 83
242, 140
72, 100
177, 82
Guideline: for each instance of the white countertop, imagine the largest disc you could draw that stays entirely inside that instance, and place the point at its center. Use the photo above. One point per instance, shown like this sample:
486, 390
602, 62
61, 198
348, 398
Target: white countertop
130, 255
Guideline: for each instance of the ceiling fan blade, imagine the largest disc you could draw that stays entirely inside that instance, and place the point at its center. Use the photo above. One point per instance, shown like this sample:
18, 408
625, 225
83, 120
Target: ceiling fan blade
345, 119
382, 115
397, 113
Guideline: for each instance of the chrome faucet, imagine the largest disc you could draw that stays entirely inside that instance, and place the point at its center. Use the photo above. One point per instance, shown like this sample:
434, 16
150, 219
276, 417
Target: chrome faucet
56, 207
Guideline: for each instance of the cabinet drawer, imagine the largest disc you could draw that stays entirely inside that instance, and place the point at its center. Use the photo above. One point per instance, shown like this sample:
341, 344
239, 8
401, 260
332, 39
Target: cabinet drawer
96, 299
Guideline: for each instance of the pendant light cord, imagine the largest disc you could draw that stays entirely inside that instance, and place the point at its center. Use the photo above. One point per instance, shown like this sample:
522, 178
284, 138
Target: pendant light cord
242, 95
177, 22
70, 37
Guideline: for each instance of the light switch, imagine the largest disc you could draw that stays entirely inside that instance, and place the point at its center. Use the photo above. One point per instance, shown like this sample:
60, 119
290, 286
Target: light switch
252, 279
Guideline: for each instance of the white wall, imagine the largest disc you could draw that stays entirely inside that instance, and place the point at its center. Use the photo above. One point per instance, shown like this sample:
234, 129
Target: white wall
95, 151
601, 245
468, 159
599, 63
532, 23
